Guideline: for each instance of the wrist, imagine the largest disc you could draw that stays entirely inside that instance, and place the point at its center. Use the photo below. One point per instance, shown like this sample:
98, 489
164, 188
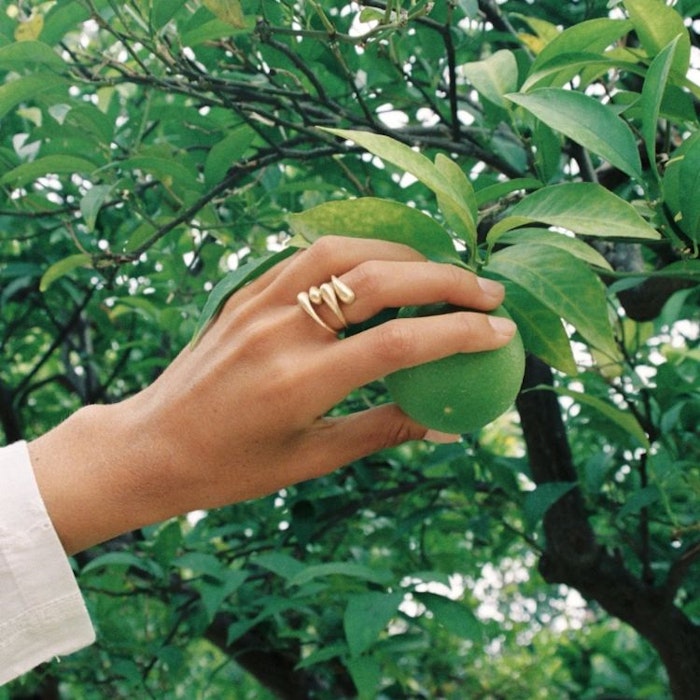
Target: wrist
98, 476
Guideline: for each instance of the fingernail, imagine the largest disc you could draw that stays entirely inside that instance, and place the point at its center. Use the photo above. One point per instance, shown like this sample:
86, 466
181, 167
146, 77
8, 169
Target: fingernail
441, 438
502, 326
490, 287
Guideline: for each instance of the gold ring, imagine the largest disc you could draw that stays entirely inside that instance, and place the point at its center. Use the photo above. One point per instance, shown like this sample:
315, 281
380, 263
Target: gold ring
329, 293
345, 294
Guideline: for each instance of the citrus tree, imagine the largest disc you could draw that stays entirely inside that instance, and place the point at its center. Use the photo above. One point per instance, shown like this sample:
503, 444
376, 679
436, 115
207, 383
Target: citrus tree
155, 155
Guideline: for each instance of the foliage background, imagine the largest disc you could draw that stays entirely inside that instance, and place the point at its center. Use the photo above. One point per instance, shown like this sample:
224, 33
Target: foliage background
148, 147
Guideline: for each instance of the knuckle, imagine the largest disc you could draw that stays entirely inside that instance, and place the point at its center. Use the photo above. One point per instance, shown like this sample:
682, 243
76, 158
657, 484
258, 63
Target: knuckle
458, 282
394, 343
366, 278
470, 329
258, 339
475, 331
458, 278
324, 248
397, 434
468, 323
285, 375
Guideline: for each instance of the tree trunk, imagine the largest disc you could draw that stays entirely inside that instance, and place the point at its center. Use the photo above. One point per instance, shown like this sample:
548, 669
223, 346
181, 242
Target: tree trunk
573, 556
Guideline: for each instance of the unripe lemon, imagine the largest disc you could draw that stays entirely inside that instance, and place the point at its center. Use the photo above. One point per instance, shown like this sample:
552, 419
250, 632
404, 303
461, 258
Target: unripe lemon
463, 392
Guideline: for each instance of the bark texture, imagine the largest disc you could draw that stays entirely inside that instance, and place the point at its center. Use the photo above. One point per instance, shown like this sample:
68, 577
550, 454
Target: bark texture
574, 557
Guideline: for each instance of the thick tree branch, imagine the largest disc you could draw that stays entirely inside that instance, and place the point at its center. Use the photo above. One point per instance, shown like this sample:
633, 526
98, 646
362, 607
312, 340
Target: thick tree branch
275, 669
679, 570
574, 557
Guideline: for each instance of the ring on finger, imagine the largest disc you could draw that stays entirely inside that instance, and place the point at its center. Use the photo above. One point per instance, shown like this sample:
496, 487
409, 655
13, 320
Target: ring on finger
332, 294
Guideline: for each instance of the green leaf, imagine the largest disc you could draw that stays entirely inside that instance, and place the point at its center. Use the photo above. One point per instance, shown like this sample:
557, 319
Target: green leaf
578, 248
229, 11
23, 54
397, 153
351, 569
369, 14
590, 37
369, 217
582, 207
166, 538
455, 616
201, 563
539, 501
494, 76
63, 267
545, 30
26, 89
421, 168
541, 329
325, 653
92, 202
652, 96
227, 152
62, 18
562, 283
460, 183
643, 498
123, 559
562, 68
623, 419
548, 152
198, 31
689, 191
140, 236
657, 25
231, 283
366, 674
48, 165
213, 594
162, 11
280, 564
586, 121
492, 193
366, 615
167, 170
673, 185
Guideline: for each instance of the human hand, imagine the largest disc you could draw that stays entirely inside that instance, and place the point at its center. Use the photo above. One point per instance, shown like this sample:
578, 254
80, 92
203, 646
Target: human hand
244, 412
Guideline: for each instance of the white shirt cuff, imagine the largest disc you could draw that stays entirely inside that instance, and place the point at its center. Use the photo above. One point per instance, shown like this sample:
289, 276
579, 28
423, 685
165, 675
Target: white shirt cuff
43, 612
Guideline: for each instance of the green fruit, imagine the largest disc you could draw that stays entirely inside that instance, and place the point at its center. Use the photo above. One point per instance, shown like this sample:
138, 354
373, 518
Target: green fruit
463, 392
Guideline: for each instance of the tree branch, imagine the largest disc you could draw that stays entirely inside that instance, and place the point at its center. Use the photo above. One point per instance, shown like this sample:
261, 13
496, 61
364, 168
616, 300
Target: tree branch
679, 569
275, 669
574, 557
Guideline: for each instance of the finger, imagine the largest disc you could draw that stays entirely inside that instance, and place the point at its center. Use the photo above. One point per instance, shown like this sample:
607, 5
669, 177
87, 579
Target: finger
357, 435
384, 284
403, 342
330, 255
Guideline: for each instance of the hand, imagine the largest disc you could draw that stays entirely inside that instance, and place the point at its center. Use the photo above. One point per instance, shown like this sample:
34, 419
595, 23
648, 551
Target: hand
244, 412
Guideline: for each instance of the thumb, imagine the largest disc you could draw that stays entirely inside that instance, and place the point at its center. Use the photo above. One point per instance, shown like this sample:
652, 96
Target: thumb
357, 435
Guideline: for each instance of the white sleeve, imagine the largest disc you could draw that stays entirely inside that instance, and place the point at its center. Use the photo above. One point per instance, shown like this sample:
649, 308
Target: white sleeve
42, 612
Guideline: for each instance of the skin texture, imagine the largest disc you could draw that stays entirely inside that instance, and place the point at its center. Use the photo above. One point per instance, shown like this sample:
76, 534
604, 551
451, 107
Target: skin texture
244, 412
